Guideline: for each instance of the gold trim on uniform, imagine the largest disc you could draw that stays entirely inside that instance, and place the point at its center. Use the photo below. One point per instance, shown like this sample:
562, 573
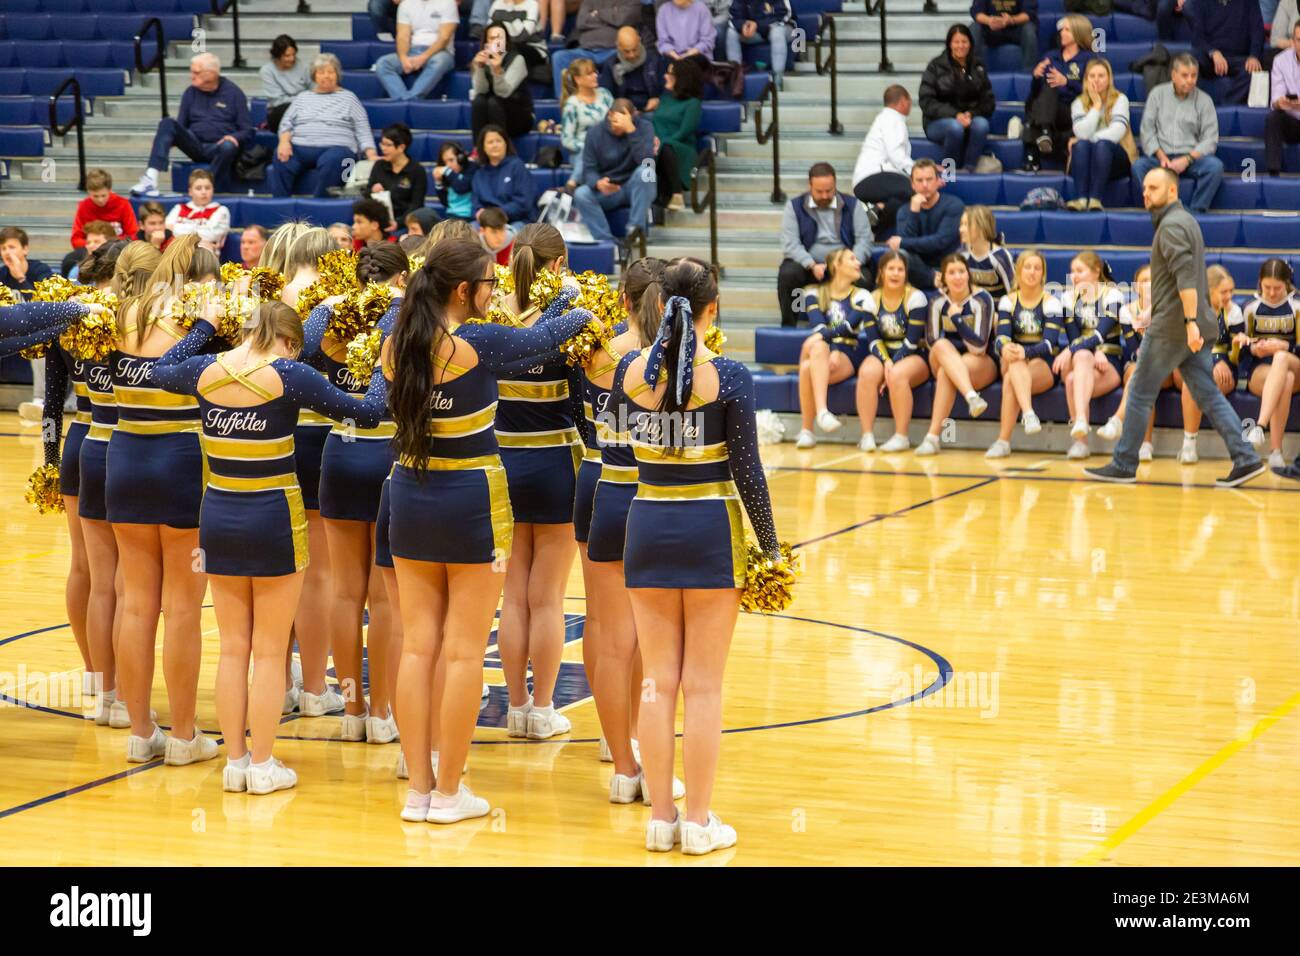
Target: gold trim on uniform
80, 389
307, 417
246, 449
81, 418
152, 398
99, 432
590, 454
265, 483
503, 516
298, 526
739, 553
382, 430
619, 474
703, 490
533, 391
463, 426
692, 453
551, 439
157, 428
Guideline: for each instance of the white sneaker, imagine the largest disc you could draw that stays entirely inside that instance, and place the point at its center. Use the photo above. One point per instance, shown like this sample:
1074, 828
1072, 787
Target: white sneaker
1015, 126
698, 840
31, 411
88, 686
384, 37
1078, 449
1146, 452
999, 449
120, 719
806, 439
547, 722
270, 776
828, 422
104, 708
867, 442
463, 806
662, 835
976, 404
605, 755
679, 790
1113, 428
318, 705
182, 752
291, 698
897, 442
381, 730
1029, 421
517, 719
417, 807
1275, 459
144, 749
234, 775
1079, 429
929, 446
145, 187
487, 690
625, 789
402, 773
1256, 436
295, 672
1188, 455
354, 726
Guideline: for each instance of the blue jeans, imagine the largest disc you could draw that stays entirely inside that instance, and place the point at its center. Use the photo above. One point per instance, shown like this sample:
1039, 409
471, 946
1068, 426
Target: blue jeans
1025, 35
1094, 164
638, 192
389, 70
383, 14
560, 59
328, 160
778, 35
959, 143
1206, 174
478, 14
218, 156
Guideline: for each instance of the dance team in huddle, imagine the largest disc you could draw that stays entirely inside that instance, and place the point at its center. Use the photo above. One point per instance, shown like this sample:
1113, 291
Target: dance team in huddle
495, 436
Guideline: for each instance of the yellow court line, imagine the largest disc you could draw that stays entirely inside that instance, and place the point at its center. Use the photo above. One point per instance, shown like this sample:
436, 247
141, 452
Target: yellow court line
1162, 802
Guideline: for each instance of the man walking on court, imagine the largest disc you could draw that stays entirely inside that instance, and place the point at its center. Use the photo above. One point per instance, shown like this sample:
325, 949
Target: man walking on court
1181, 321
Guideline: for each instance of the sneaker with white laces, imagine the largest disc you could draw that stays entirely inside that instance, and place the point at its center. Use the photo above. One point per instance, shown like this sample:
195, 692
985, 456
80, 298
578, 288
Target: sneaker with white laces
896, 442
1256, 436
353, 727
144, 749
234, 775
867, 442
145, 187
416, 809
662, 835
104, 708
291, 697
179, 753
463, 806
1113, 428
1079, 429
1188, 455
1015, 126
381, 730
1146, 452
517, 719
806, 439
975, 404
120, 719
929, 446
270, 776
999, 449
319, 705
828, 422
1275, 459
679, 790
1078, 449
1030, 423
547, 722
625, 789
715, 835
31, 411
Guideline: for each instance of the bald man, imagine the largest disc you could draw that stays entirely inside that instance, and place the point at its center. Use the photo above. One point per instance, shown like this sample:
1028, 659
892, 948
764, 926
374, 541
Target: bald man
212, 126
635, 72
1181, 323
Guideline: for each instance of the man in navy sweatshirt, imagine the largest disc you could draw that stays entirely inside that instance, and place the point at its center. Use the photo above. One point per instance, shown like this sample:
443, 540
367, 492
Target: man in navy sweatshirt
618, 170
212, 126
1004, 22
1228, 40
929, 227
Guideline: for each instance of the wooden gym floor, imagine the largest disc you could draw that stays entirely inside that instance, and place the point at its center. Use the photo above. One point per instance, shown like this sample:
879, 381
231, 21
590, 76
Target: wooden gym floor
984, 665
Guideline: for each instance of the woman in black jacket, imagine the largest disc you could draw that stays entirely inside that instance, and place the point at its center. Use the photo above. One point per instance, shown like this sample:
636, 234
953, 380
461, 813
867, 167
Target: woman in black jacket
402, 177
499, 86
957, 100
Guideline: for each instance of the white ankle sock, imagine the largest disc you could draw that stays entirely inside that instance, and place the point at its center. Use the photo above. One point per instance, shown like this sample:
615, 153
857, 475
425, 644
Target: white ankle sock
242, 763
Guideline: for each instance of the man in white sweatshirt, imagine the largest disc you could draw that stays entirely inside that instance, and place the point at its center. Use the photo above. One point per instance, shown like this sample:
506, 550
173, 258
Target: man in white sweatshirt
201, 214
882, 174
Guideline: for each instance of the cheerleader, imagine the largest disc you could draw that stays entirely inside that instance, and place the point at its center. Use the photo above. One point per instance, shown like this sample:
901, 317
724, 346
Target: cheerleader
1271, 365
355, 462
1134, 317
153, 491
253, 530
836, 309
958, 330
896, 337
541, 452
450, 524
1028, 334
1092, 364
989, 263
692, 430
1224, 354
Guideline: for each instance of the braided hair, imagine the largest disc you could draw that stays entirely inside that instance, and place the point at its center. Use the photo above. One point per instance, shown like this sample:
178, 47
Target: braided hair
642, 289
380, 262
693, 280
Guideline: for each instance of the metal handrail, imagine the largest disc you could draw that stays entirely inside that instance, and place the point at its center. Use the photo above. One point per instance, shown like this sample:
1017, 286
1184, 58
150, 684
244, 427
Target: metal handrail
706, 162
635, 237
831, 65
78, 120
159, 61
773, 133
878, 7
233, 7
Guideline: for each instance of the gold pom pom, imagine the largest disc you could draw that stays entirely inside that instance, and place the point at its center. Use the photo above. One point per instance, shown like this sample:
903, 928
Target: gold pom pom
267, 284
236, 314
769, 579
34, 352
414, 263
55, 289
8, 296
43, 490
93, 337
599, 299
363, 354
714, 340
338, 270
579, 349
232, 273
544, 288
505, 280
359, 311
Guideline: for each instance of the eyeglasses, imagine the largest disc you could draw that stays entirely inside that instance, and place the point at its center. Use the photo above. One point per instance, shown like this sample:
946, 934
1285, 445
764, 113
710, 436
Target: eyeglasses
491, 281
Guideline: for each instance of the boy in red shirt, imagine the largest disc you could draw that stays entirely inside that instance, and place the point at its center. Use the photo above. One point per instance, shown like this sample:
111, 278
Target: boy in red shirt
101, 203
202, 214
495, 233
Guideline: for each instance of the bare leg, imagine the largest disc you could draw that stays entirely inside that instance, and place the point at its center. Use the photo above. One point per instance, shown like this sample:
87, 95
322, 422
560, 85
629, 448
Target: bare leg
871, 375
660, 628
350, 562
379, 640
424, 609
311, 624
274, 602
141, 560
232, 599
184, 584
101, 553
553, 550
710, 618
76, 592
613, 688
514, 627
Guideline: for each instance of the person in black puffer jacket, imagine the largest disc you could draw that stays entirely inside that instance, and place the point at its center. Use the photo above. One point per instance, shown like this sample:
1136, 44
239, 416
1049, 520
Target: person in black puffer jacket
957, 100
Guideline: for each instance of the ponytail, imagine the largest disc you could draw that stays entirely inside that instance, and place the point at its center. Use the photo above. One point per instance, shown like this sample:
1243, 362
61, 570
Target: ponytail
536, 244
381, 262
642, 288
271, 321
689, 286
569, 78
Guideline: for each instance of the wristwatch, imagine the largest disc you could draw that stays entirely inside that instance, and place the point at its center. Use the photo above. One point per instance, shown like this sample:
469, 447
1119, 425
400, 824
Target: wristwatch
1187, 321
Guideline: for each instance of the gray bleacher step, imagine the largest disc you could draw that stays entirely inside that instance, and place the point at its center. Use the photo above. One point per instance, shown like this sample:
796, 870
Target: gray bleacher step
257, 29
764, 220
859, 58
831, 149
34, 170
254, 52
901, 27
290, 7
766, 255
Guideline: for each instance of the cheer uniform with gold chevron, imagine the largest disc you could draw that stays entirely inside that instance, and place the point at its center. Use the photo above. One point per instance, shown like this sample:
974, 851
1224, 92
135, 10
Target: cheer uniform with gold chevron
891, 334
62, 371
1230, 321
1094, 324
618, 473
92, 464
994, 273
1264, 321
969, 330
595, 404
1036, 327
841, 321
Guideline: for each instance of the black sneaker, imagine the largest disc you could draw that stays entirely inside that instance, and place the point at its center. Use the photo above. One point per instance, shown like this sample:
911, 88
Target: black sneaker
1113, 473
1044, 144
1291, 471
1241, 474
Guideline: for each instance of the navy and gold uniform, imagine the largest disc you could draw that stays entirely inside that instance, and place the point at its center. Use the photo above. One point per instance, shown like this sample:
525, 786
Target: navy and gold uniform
1231, 321
618, 473
62, 371
841, 321
595, 403
25, 324
1036, 327
253, 521
383, 552
92, 470
994, 273
313, 428
970, 329
892, 333
1094, 324
459, 511
1264, 321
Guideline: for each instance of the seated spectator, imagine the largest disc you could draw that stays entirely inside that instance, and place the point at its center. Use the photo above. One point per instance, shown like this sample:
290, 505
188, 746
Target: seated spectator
1102, 149
812, 225
1004, 22
496, 235
212, 126
720, 14
1283, 123
881, 174
383, 17
554, 12
1228, 40
153, 225
251, 243
499, 93
1268, 358
397, 174
101, 203
990, 265
454, 179
202, 215
18, 272
613, 160
929, 226
753, 21
370, 223
522, 22
685, 31
634, 73
1057, 82
1091, 364
1284, 22
418, 222
594, 34
583, 105
501, 179
957, 100
341, 233
98, 235
1180, 131
426, 31
896, 336
677, 126
322, 129
283, 78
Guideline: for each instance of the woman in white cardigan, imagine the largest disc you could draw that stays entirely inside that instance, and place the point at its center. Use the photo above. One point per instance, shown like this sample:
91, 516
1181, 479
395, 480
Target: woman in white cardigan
1102, 148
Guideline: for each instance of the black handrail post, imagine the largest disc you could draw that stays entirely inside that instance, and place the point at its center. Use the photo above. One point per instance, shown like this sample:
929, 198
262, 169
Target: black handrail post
707, 162
233, 7
78, 120
879, 8
773, 133
930, 7
303, 7
159, 61
831, 63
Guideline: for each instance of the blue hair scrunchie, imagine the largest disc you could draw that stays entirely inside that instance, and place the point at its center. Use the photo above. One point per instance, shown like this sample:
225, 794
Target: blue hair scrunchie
677, 309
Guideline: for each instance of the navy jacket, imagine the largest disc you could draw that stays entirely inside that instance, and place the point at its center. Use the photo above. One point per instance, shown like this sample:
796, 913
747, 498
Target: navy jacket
36, 271
1233, 27
223, 112
616, 157
763, 12
639, 86
995, 8
808, 225
932, 233
508, 186
1073, 71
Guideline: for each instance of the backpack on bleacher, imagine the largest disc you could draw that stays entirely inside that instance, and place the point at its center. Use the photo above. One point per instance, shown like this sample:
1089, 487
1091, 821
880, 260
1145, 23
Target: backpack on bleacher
1042, 197
1154, 67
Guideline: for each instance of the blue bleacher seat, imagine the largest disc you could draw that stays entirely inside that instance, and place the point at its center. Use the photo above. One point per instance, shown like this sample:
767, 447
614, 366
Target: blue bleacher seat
322, 212
1120, 193
1249, 122
543, 179
352, 55
1082, 228
976, 188
12, 82
17, 111
362, 28
266, 211
1236, 194
1015, 186
774, 345
437, 114
86, 30
155, 7
549, 109
1130, 29
1281, 193
66, 6
363, 83
1129, 228
776, 392
1221, 230
22, 6
1238, 154
43, 55
22, 141
1020, 227
1004, 58
716, 117
176, 26
1270, 232
1243, 267
385, 113
114, 6
28, 26
6, 53
230, 248
1010, 152
596, 256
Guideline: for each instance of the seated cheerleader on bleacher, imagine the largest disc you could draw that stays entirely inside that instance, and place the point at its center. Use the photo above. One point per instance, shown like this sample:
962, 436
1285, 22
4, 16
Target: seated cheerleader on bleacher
895, 336
1268, 356
990, 264
1134, 317
1091, 366
1224, 354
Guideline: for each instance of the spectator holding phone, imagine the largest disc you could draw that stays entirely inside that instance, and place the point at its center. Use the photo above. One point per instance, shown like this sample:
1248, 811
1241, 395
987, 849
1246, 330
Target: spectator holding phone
499, 93
1283, 123
454, 178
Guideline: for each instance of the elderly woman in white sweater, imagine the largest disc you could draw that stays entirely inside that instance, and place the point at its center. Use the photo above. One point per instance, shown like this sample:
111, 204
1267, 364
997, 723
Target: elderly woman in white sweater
1102, 148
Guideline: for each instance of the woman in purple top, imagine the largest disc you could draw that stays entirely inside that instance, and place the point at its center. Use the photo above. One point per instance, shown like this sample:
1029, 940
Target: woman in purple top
686, 31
